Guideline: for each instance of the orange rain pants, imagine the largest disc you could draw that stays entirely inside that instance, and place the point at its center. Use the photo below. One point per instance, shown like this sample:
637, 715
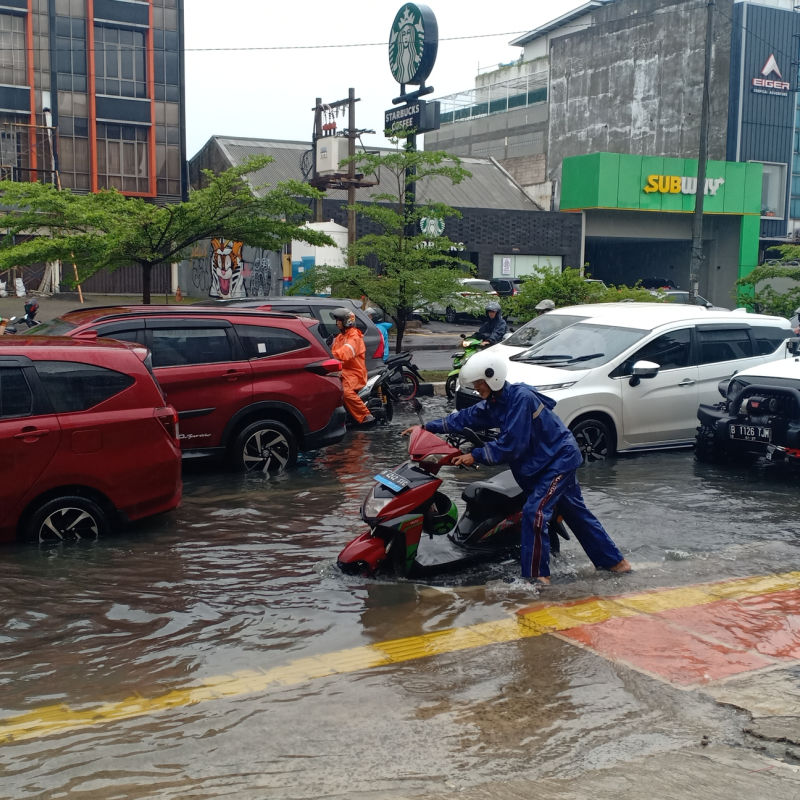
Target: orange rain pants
349, 348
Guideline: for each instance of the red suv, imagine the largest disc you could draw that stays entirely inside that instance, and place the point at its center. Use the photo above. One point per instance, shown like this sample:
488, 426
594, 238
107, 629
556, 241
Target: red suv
252, 386
86, 438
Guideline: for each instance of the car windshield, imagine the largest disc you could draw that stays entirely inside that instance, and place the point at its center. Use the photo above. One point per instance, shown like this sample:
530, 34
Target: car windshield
540, 328
477, 286
584, 345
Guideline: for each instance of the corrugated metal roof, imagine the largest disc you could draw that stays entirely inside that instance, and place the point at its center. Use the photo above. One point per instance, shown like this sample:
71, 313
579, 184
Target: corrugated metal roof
489, 187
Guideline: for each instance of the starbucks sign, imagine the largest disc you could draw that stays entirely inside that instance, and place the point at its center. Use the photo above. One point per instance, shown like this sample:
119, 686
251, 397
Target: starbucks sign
413, 42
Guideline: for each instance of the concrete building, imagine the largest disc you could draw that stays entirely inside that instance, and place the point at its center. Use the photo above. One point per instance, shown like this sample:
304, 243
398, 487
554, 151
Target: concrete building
626, 77
501, 230
92, 97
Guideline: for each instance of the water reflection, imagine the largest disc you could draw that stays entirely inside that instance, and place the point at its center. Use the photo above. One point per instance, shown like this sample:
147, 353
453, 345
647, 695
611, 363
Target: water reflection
243, 577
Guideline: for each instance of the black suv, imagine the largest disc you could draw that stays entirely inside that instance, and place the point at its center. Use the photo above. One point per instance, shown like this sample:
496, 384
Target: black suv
760, 416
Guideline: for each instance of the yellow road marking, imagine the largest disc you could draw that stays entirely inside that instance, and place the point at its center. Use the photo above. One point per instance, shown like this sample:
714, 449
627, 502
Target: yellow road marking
535, 621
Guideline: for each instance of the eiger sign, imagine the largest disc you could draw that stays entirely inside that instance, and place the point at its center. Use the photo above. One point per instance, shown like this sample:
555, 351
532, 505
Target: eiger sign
413, 43
767, 83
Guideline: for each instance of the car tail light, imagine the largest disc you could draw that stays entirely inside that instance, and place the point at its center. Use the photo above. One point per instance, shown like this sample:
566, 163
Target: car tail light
168, 417
330, 366
379, 349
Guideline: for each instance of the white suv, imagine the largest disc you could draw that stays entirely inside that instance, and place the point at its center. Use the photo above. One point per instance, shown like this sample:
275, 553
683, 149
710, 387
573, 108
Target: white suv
631, 377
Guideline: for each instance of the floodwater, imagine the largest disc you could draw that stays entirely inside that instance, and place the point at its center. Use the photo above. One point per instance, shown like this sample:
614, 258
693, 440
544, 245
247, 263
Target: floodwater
241, 579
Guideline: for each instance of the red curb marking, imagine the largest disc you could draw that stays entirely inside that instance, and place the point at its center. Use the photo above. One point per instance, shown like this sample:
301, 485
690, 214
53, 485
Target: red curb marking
695, 645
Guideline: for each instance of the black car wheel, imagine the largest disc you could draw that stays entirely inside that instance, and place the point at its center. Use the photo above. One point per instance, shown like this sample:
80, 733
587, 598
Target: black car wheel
450, 314
65, 519
594, 439
265, 446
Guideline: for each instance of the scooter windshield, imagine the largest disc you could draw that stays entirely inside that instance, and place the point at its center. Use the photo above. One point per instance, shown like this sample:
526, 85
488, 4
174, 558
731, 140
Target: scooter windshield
426, 446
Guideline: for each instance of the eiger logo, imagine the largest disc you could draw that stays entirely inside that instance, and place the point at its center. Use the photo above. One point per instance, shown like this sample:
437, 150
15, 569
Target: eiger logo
770, 85
771, 66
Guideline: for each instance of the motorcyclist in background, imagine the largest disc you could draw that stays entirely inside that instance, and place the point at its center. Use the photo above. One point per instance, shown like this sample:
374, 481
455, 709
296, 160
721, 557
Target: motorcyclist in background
383, 326
349, 348
494, 328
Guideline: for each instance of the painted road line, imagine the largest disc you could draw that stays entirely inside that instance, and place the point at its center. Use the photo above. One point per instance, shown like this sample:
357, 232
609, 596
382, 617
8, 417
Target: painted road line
536, 620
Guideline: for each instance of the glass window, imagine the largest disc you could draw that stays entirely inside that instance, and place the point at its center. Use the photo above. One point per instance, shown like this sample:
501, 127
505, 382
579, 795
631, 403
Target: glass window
75, 387
581, 346
120, 54
122, 157
670, 351
773, 191
16, 398
260, 341
179, 346
540, 328
12, 50
767, 339
724, 345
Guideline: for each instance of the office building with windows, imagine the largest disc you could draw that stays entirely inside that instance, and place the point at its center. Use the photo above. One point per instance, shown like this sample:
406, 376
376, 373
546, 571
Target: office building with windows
92, 95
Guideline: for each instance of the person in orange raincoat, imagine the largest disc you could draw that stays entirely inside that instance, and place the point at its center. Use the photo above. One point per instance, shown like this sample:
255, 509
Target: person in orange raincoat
349, 348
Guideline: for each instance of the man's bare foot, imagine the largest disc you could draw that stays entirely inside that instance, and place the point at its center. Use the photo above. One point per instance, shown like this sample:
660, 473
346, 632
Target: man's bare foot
623, 566
540, 581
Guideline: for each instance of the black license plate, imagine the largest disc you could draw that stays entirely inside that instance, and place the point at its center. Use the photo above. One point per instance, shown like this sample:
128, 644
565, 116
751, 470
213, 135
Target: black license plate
750, 433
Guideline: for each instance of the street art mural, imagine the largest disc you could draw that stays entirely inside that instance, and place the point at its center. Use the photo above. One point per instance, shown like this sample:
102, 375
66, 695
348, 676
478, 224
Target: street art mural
227, 278
222, 269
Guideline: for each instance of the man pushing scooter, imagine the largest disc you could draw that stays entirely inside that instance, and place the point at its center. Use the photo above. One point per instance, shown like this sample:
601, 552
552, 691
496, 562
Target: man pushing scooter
543, 456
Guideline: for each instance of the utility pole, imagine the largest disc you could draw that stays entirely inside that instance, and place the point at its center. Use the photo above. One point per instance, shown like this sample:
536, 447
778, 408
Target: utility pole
697, 258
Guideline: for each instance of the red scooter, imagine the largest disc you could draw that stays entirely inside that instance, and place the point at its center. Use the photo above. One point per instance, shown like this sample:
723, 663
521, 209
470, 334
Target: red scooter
415, 530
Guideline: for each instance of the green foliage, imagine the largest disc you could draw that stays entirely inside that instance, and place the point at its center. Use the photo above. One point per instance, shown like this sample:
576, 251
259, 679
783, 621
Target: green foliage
399, 269
107, 230
567, 288
756, 290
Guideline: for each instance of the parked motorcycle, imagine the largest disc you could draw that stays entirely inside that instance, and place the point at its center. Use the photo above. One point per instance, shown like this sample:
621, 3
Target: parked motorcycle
469, 346
415, 529
397, 382
29, 320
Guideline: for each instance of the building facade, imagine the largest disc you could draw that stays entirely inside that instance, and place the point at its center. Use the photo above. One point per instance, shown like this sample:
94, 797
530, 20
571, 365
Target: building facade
627, 77
91, 95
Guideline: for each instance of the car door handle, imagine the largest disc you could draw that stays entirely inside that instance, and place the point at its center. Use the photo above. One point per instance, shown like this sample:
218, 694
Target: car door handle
31, 433
687, 382
234, 374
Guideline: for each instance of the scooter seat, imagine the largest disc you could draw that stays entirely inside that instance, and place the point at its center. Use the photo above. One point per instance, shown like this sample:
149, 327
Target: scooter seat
496, 490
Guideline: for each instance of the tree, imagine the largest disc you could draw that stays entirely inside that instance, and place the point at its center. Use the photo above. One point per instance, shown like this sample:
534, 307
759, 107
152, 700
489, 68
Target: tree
400, 268
107, 230
766, 298
567, 287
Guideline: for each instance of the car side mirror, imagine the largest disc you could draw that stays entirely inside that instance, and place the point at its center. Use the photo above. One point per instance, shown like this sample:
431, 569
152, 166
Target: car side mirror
643, 369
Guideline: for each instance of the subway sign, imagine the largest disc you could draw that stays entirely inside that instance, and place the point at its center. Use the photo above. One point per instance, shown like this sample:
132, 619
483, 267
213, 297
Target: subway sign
676, 184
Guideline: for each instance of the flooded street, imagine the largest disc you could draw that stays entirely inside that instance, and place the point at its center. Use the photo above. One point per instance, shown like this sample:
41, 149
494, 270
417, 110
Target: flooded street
241, 580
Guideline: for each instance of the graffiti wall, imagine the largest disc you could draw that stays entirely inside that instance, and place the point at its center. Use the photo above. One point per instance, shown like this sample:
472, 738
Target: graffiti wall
221, 269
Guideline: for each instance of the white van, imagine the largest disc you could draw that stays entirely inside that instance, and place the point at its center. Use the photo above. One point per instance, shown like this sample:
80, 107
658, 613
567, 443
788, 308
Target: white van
631, 376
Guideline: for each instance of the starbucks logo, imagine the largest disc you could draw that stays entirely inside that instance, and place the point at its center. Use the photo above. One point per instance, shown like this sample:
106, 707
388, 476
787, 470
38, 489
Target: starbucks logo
413, 42
432, 226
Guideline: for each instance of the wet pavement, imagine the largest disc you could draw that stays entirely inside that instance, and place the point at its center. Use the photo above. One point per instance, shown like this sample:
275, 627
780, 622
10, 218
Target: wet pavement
218, 652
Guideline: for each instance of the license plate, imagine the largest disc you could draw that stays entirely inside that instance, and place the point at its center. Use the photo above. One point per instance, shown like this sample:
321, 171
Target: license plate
750, 433
392, 480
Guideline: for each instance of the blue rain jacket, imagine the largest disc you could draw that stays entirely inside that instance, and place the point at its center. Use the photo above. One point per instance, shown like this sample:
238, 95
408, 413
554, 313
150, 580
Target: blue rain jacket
532, 437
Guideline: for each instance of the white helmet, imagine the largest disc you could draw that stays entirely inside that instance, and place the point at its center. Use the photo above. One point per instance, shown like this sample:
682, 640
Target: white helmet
484, 366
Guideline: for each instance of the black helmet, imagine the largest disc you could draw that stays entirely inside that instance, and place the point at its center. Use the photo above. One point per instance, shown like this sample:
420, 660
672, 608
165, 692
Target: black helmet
375, 315
345, 316
492, 305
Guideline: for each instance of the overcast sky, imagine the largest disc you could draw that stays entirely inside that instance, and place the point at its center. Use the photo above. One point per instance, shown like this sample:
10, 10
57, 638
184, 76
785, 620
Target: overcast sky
269, 92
